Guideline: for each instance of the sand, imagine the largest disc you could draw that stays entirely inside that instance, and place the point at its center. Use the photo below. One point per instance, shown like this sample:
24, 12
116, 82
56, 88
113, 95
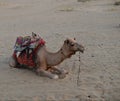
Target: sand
95, 24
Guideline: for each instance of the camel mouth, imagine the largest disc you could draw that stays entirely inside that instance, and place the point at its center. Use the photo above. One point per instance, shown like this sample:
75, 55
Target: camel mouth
81, 49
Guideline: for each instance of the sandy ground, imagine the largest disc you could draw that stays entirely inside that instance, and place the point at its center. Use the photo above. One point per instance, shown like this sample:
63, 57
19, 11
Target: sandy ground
95, 24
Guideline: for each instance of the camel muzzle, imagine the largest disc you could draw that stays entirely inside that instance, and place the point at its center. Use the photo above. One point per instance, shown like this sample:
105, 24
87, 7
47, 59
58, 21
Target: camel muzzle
81, 49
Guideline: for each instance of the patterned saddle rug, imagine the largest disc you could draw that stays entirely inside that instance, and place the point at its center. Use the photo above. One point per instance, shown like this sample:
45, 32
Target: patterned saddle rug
25, 50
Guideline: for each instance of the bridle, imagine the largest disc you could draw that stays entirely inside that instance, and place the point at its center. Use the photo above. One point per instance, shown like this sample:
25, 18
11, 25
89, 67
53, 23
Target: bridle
63, 53
66, 56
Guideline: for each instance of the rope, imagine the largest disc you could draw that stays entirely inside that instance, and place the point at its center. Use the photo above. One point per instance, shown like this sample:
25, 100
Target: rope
79, 70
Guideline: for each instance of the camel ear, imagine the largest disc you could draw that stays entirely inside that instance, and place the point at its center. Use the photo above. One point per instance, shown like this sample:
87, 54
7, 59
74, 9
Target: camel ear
66, 41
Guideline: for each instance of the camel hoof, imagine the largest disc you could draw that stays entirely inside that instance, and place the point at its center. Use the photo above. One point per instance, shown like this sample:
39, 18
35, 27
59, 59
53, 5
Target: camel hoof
55, 77
62, 76
64, 71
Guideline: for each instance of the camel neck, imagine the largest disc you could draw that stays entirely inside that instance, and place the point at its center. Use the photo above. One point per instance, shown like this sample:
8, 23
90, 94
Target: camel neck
54, 59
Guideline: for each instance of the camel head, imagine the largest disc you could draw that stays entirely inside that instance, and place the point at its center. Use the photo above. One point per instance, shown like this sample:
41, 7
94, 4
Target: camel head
70, 47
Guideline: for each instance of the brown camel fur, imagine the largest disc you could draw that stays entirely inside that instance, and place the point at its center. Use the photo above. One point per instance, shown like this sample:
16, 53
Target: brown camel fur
47, 61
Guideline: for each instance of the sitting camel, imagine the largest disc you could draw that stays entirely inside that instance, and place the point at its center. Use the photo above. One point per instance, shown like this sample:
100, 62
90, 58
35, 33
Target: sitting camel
47, 61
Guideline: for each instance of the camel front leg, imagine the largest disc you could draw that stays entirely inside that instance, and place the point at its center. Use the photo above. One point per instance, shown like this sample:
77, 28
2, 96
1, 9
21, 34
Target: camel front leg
60, 71
45, 73
42, 66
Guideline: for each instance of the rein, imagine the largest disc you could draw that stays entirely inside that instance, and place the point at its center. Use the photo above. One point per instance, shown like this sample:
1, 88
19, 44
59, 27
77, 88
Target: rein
79, 70
66, 56
63, 53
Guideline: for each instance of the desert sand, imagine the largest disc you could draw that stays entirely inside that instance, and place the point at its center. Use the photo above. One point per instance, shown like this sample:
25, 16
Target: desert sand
95, 24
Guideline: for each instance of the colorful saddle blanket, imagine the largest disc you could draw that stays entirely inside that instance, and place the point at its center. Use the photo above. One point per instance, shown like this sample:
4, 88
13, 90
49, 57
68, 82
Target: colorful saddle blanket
23, 46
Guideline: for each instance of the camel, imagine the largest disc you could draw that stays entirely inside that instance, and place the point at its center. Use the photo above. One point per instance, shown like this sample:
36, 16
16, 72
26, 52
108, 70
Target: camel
47, 61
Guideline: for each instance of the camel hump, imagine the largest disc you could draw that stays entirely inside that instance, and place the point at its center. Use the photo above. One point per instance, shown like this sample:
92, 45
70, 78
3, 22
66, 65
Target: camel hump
28, 42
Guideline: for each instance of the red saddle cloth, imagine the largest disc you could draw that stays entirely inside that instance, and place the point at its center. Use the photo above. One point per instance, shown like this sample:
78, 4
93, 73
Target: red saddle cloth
23, 59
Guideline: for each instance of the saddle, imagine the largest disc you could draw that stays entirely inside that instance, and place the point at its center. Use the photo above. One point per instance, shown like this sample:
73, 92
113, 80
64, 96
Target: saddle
25, 49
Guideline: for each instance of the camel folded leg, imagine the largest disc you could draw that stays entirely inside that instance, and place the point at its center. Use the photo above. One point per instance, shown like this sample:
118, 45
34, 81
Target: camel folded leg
48, 74
12, 62
60, 71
